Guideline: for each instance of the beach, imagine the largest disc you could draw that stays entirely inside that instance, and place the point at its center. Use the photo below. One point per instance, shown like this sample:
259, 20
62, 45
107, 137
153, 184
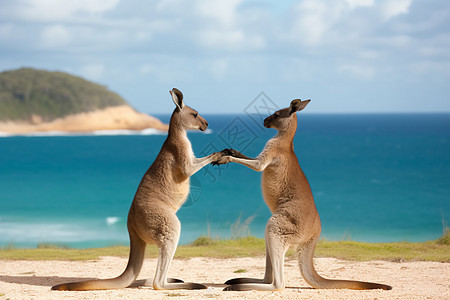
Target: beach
121, 117
410, 280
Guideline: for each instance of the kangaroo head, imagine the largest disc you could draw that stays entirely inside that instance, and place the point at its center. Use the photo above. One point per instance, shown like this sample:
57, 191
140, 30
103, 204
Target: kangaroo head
187, 117
281, 119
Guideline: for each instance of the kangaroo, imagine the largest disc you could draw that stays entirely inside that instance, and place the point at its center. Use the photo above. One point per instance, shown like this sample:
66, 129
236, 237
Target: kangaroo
295, 220
152, 217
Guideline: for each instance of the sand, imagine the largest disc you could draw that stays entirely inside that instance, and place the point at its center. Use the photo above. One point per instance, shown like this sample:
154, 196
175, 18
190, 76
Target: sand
111, 118
410, 280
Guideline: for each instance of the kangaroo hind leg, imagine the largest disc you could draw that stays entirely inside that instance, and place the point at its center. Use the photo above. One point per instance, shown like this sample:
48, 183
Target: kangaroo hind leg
268, 276
166, 252
276, 250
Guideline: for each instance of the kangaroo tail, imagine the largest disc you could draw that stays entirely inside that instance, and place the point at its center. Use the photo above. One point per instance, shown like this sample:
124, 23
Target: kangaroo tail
135, 261
305, 259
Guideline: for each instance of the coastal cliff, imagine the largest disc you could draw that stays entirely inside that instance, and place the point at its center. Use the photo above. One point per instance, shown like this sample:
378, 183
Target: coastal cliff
35, 100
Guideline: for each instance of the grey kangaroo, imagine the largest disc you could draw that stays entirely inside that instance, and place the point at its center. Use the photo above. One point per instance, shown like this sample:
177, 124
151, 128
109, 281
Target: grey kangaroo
152, 217
295, 221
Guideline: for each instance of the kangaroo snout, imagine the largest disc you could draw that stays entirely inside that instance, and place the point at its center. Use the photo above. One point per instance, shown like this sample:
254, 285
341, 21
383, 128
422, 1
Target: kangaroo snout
203, 124
267, 121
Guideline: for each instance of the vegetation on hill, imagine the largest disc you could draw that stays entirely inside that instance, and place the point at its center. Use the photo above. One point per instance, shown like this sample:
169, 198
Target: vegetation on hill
27, 94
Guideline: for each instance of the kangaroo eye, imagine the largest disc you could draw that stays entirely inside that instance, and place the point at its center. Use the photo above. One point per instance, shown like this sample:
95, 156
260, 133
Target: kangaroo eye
195, 115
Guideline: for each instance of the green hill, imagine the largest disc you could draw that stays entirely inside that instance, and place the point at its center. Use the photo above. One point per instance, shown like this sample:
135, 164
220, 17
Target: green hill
50, 95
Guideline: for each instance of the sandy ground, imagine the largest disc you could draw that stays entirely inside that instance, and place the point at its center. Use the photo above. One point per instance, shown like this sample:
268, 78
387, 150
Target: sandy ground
410, 280
111, 118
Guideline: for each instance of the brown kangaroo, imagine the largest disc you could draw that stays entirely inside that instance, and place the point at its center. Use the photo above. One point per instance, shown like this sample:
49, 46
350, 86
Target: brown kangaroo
295, 220
152, 217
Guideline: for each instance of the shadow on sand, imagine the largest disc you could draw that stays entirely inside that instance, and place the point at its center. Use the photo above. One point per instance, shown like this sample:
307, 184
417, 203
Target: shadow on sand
53, 280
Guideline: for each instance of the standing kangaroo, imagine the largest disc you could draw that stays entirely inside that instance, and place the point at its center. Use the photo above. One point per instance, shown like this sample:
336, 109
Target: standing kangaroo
295, 220
152, 217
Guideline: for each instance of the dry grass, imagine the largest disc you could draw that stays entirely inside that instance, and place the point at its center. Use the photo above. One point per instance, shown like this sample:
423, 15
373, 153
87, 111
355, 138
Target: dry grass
438, 250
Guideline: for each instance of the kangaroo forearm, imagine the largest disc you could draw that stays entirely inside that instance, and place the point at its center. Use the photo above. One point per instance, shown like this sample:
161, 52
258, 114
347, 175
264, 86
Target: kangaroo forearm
198, 160
198, 164
253, 163
240, 155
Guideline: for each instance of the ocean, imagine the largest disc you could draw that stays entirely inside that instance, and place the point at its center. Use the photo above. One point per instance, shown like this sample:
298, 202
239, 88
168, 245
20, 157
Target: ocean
375, 178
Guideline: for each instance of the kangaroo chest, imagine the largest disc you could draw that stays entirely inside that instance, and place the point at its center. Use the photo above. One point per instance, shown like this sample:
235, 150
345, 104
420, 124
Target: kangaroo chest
275, 186
181, 182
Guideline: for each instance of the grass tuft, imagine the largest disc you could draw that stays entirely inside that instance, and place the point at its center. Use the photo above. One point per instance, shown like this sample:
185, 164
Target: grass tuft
204, 241
445, 238
241, 271
241, 229
52, 246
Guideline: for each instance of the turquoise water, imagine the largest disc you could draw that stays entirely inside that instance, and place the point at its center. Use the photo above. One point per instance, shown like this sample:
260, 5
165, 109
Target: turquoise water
375, 178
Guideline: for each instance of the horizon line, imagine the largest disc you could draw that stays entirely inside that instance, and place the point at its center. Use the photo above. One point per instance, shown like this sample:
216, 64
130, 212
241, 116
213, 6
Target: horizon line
331, 113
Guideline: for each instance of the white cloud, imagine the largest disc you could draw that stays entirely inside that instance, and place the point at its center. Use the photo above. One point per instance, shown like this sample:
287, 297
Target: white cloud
432, 51
390, 8
357, 71
222, 26
142, 35
223, 11
226, 39
314, 19
311, 24
52, 10
369, 54
230, 40
54, 36
163, 69
355, 3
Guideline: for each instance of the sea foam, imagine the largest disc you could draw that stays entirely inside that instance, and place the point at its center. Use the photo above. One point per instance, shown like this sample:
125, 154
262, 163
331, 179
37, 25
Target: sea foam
147, 131
112, 220
73, 232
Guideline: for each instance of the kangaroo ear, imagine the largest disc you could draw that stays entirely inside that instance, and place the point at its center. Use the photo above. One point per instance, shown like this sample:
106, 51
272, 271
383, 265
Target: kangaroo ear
177, 97
297, 105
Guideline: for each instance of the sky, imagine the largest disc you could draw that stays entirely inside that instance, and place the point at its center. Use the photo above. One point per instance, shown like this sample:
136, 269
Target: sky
348, 56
